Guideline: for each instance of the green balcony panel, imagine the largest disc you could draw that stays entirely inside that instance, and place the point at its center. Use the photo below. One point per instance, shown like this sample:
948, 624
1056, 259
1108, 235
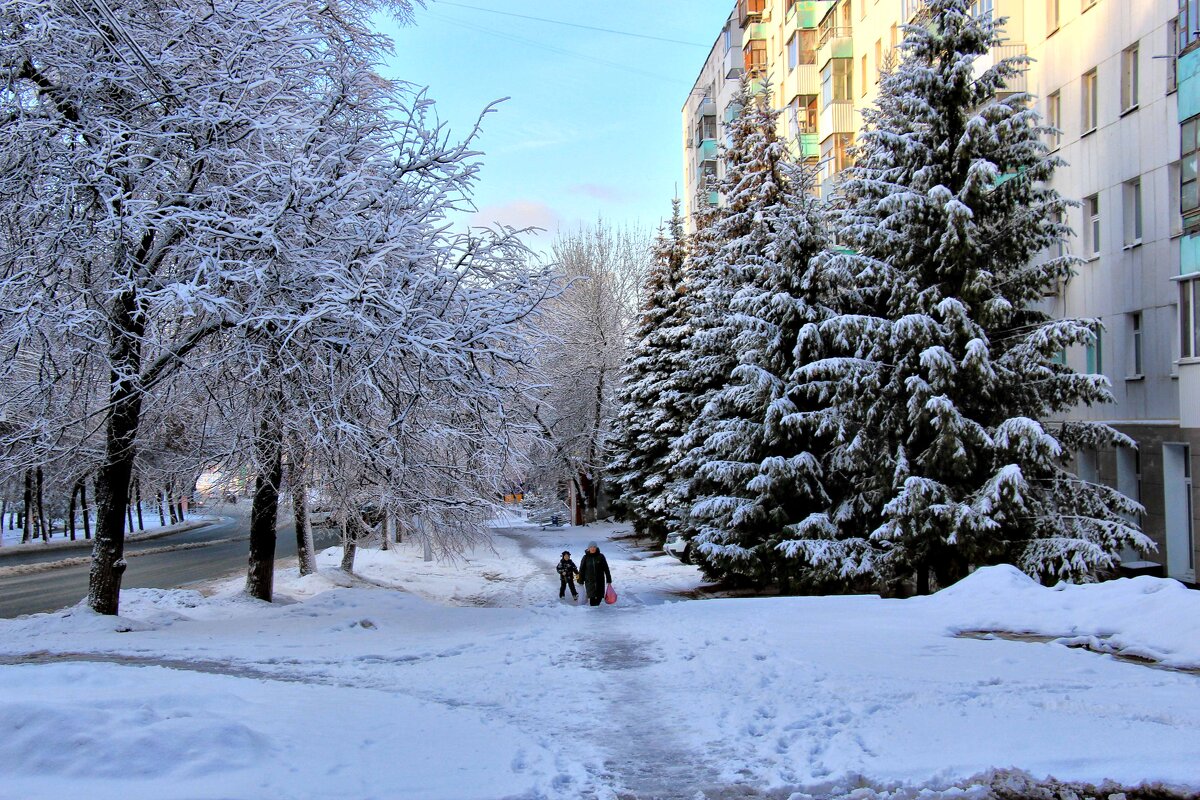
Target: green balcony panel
1189, 254
714, 198
708, 150
810, 145
808, 13
843, 47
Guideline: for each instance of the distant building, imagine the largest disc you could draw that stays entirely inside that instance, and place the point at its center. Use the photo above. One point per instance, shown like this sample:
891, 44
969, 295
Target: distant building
1121, 80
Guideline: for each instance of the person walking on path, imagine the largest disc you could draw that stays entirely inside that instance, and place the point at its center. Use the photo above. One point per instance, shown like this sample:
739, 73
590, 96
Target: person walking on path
593, 570
566, 573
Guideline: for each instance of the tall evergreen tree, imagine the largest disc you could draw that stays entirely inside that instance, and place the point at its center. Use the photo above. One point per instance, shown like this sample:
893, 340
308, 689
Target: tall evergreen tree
951, 372
651, 417
751, 467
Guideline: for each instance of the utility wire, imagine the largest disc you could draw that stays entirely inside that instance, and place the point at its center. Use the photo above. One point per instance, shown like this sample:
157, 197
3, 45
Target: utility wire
572, 24
545, 47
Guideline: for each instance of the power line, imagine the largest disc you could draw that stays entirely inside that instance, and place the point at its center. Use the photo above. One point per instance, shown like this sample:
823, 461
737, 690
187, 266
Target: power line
572, 24
542, 47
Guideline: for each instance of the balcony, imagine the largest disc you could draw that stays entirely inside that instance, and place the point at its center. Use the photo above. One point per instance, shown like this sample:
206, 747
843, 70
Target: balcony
805, 146
807, 13
834, 43
733, 63
1018, 83
837, 117
707, 150
909, 9
750, 11
731, 112
707, 108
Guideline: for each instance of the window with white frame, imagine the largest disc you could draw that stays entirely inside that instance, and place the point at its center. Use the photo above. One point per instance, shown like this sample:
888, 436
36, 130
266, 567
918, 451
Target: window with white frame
981, 8
1189, 317
1091, 226
878, 59
1054, 119
1136, 365
1129, 78
1133, 212
793, 49
1090, 105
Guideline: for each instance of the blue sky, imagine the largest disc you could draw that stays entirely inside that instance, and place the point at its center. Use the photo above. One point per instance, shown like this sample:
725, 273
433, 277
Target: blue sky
593, 124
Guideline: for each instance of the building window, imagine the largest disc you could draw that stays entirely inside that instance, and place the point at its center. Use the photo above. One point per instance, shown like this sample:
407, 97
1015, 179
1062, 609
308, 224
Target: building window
802, 114
878, 58
862, 9
1054, 119
1188, 23
1175, 206
1052, 15
706, 128
755, 55
981, 8
894, 35
1129, 78
837, 81
1189, 318
1095, 352
1091, 226
1133, 212
750, 10
1173, 53
864, 75
1090, 104
808, 46
1189, 202
793, 51
1136, 367
1087, 4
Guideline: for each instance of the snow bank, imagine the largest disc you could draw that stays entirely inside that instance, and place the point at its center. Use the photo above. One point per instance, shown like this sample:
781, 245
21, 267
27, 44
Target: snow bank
1150, 618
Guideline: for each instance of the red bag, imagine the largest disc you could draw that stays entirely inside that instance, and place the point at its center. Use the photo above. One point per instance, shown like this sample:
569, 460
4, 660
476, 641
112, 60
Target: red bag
610, 595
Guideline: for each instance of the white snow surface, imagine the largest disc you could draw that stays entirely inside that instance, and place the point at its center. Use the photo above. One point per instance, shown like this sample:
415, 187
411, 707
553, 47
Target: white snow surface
472, 680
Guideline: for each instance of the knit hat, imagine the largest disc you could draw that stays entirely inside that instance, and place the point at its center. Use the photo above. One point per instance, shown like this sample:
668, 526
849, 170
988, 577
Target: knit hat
566, 552
593, 544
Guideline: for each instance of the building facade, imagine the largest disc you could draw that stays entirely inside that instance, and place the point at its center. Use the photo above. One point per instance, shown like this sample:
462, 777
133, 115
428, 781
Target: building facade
1120, 80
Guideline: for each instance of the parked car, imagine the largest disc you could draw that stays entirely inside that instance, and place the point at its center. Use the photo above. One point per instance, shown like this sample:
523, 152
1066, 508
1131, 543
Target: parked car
679, 547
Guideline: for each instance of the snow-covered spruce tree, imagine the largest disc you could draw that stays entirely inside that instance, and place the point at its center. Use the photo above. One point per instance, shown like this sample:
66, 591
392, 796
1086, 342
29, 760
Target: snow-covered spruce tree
650, 419
950, 373
754, 463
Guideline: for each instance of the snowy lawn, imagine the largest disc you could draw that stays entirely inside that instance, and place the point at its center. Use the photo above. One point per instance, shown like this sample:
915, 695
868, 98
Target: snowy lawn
477, 682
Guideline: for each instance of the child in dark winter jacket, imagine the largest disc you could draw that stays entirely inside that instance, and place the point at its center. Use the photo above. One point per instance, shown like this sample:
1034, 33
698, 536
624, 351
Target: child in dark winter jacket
567, 572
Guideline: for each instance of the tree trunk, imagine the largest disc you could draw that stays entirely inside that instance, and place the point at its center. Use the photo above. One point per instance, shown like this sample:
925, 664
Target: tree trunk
87, 523
179, 512
137, 494
922, 578
27, 513
129, 516
162, 508
264, 510
170, 504
304, 541
71, 511
43, 523
384, 531
349, 544
112, 481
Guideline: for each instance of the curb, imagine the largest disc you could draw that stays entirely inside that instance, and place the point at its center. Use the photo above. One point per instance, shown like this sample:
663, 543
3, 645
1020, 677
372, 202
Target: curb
81, 544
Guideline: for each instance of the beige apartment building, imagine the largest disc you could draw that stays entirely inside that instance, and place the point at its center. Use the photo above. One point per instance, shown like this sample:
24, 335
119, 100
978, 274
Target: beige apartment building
1104, 73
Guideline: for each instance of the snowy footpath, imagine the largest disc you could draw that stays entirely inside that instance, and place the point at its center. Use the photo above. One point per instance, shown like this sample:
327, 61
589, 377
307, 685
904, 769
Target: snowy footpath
473, 680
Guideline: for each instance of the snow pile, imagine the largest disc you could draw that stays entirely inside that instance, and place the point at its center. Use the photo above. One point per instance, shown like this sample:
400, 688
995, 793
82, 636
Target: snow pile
1149, 618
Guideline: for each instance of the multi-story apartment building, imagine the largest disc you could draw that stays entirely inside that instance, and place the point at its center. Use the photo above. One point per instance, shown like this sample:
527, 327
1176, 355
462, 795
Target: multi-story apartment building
1106, 74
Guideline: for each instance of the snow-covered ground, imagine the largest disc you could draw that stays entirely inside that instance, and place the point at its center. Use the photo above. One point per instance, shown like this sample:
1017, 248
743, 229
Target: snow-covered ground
151, 525
475, 681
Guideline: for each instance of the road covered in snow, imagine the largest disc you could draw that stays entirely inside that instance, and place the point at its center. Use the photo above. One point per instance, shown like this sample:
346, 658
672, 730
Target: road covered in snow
471, 679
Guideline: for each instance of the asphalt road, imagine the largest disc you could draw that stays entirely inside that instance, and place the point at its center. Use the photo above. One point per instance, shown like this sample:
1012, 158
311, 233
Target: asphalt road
209, 552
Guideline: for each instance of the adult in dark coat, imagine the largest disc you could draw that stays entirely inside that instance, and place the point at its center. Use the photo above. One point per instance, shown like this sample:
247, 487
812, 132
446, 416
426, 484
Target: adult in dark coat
593, 568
